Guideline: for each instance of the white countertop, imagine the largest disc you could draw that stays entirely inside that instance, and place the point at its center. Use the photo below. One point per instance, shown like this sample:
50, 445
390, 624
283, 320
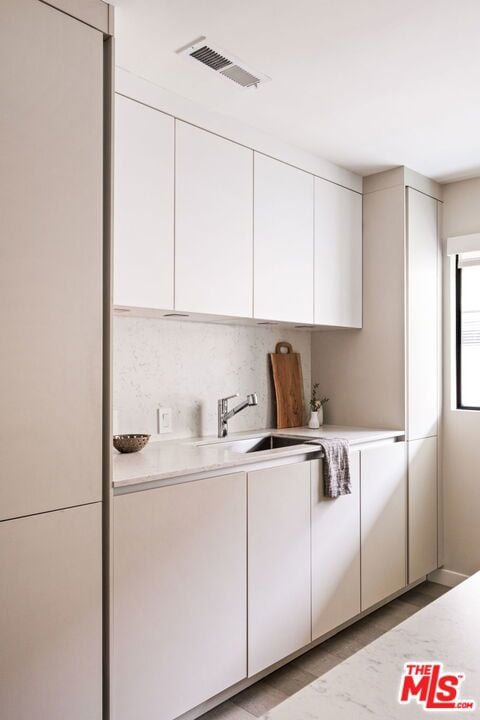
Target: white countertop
367, 684
167, 459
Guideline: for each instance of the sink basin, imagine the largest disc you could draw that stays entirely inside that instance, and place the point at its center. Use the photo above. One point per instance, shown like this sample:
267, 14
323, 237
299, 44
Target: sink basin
259, 444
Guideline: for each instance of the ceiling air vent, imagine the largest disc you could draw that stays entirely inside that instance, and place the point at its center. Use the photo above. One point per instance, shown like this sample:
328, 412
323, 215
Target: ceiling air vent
223, 63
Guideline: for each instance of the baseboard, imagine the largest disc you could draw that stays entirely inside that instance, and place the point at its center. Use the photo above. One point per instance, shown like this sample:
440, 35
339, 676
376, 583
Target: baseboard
449, 578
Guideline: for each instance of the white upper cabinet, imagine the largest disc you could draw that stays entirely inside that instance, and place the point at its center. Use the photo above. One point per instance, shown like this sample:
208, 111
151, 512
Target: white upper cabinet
338, 255
205, 225
283, 242
144, 206
423, 316
213, 224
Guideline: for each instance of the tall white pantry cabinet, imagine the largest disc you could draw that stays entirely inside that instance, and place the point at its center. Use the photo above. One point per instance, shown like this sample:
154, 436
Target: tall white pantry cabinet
389, 375
53, 67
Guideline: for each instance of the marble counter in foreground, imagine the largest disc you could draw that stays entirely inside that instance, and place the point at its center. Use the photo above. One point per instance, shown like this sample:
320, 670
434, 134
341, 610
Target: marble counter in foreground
366, 686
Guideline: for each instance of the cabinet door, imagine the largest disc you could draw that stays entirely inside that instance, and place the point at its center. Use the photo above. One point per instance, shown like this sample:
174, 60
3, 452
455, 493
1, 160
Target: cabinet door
213, 224
179, 596
51, 257
144, 206
279, 586
383, 522
283, 234
50, 623
338, 255
423, 313
335, 552
422, 508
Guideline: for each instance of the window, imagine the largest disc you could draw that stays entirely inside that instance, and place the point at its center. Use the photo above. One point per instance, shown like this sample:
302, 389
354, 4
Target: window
468, 330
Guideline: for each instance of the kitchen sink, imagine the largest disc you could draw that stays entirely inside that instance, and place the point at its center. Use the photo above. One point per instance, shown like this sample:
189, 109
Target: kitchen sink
259, 444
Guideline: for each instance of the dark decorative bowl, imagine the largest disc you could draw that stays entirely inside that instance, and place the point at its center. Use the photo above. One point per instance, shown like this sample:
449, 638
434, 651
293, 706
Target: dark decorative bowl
130, 443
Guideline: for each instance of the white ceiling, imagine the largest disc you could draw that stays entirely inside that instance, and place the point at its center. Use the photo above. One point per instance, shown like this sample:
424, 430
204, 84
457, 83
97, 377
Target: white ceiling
367, 84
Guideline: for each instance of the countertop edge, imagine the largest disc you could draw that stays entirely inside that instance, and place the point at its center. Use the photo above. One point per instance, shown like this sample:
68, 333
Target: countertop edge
361, 437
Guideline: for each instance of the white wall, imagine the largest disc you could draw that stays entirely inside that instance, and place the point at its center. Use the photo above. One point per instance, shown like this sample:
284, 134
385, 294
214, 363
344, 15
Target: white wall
187, 366
461, 428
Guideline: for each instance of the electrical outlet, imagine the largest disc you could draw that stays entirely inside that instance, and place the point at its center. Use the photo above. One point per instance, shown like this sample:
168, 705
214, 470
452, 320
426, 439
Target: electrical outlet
164, 420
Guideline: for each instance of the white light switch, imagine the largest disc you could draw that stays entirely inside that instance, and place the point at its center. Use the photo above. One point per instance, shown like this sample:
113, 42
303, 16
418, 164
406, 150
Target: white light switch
164, 420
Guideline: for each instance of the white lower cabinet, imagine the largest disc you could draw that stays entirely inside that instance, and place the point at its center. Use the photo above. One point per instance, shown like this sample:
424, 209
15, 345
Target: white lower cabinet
179, 596
338, 255
383, 522
51, 615
218, 579
335, 552
422, 508
279, 584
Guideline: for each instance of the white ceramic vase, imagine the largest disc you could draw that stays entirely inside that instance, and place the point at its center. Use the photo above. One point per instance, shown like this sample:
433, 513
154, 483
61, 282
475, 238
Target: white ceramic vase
316, 419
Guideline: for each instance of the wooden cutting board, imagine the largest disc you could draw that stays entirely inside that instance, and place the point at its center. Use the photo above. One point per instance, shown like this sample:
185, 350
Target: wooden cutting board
288, 381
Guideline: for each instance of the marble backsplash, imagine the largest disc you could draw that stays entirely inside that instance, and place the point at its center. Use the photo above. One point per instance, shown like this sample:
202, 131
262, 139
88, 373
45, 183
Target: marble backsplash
187, 366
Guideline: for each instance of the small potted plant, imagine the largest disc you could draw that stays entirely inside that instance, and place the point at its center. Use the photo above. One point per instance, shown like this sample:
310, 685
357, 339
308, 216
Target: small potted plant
316, 407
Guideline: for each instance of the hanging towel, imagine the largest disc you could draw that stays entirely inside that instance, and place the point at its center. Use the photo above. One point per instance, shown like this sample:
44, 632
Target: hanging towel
336, 467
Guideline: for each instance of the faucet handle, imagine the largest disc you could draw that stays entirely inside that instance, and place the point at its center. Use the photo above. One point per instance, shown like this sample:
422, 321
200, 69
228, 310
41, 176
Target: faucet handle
230, 397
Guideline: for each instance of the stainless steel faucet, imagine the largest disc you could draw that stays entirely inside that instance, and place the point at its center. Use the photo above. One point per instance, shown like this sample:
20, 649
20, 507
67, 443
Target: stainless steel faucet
224, 414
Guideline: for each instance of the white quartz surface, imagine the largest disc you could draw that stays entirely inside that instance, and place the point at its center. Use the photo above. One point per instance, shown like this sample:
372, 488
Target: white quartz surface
177, 458
367, 684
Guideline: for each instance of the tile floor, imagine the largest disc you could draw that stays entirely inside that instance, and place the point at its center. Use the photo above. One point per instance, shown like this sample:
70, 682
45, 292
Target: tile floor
272, 690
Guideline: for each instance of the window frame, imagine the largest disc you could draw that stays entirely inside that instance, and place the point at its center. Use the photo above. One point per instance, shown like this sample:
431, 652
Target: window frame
458, 338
